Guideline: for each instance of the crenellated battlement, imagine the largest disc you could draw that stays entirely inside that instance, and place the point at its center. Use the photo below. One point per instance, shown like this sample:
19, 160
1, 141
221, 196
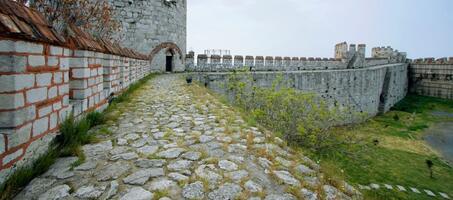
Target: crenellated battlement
438, 61
388, 53
432, 77
346, 57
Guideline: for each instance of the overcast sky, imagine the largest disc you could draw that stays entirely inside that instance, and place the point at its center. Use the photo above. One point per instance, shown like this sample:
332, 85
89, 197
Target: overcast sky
423, 28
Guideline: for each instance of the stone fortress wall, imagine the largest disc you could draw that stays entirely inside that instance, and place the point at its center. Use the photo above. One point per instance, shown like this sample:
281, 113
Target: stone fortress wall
432, 77
354, 83
154, 28
345, 58
45, 77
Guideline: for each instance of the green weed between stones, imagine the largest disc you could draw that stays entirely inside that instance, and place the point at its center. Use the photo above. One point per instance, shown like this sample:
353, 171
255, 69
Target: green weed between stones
73, 134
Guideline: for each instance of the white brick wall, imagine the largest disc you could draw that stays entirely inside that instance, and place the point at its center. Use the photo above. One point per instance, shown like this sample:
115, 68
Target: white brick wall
36, 95
11, 101
44, 79
16, 82
40, 126
36, 61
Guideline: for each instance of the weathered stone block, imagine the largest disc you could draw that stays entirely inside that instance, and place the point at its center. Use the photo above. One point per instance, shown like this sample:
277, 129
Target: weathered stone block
81, 73
63, 89
44, 79
57, 106
56, 51
64, 113
64, 63
7, 159
11, 101
53, 121
52, 61
81, 94
28, 47
58, 77
36, 95
19, 136
67, 52
66, 101
44, 111
11, 63
83, 53
11, 119
78, 62
53, 92
16, 82
2, 144
36, 61
40, 126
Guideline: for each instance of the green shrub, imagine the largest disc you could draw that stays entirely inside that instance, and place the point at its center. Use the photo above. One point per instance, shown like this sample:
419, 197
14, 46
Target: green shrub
95, 118
302, 118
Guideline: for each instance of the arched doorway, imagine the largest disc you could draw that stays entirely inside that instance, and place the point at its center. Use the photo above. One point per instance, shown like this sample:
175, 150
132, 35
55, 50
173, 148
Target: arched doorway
167, 57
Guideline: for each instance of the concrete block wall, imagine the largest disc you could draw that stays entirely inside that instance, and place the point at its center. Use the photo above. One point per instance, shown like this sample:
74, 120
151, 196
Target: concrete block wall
34, 99
432, 77
86, 81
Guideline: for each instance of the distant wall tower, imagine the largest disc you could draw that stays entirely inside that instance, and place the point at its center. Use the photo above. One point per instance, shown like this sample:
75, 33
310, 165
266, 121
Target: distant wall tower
341, 50
156, 28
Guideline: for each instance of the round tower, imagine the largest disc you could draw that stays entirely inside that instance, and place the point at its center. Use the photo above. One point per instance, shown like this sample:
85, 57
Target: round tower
156, 28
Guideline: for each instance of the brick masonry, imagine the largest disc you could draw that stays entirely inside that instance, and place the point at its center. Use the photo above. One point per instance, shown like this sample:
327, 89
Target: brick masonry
41, 84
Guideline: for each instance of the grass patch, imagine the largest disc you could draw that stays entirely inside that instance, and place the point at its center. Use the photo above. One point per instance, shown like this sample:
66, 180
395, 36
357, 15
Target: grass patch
400, 156
73, 134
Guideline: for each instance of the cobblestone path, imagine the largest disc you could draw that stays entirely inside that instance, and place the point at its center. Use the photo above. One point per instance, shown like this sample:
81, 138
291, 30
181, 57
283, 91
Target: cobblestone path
176, 142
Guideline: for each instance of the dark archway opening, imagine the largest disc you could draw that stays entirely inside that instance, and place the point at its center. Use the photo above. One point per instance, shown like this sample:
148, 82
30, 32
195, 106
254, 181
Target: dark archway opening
169, 64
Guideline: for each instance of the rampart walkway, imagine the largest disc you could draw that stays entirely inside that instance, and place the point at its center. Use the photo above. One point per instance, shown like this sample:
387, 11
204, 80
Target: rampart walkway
178, 142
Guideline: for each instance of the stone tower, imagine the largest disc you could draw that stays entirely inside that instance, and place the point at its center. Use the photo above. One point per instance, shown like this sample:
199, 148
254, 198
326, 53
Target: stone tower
156, 28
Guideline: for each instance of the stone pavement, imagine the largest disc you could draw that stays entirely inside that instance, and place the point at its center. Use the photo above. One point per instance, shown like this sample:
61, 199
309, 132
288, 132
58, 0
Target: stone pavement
173, 142
399, 188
